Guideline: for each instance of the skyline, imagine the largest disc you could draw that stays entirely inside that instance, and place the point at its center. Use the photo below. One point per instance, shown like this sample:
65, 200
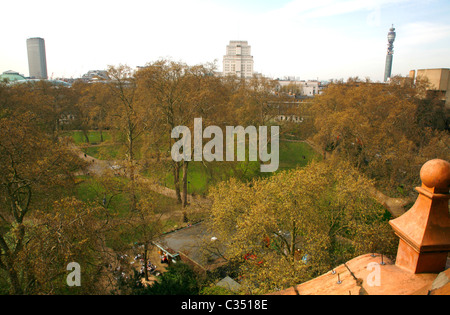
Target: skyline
325, 39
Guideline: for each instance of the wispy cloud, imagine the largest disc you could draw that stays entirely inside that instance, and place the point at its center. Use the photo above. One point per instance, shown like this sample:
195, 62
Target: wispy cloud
422, 33
327, 8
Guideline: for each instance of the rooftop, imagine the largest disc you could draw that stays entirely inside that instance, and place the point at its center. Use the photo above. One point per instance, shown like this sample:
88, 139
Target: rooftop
422, 265
189, 243
11, 76
359, 276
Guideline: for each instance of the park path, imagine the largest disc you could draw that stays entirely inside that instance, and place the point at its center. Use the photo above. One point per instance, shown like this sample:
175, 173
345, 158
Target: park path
395, 206
98, 167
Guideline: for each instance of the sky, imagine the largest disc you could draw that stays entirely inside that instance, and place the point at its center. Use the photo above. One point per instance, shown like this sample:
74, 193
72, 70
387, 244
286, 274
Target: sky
314, 39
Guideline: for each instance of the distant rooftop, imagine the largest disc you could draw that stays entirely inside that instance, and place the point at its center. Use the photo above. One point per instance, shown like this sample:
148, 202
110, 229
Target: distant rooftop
11, 76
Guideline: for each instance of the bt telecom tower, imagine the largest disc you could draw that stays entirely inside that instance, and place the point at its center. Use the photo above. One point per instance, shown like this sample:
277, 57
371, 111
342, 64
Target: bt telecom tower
390, 54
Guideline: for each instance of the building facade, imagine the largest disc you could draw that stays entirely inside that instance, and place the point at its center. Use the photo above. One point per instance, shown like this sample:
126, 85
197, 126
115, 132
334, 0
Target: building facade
238, 60
308, 88
438, 80
37, 61
95, 75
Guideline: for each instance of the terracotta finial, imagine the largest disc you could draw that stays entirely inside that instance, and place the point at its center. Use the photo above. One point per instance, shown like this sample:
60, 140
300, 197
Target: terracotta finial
435, 175
424, 230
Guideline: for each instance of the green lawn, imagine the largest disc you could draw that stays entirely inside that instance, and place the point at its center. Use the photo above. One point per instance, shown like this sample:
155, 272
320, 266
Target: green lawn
96, 148
105, 152
294, 154
91, 189
201, 176
94, 137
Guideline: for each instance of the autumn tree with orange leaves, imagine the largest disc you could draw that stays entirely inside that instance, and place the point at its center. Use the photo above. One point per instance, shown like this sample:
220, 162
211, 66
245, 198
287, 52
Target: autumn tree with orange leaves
381, 129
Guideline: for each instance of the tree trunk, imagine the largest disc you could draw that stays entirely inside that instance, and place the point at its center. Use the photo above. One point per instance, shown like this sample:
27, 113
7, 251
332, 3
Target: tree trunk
133, 187
185, 182
146, 261
176, 180
132, 172
7, 264
86, 136
15, 283
293, 240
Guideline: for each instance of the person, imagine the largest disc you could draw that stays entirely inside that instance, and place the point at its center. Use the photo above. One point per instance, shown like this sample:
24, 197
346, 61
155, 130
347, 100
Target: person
162, 256
151, 267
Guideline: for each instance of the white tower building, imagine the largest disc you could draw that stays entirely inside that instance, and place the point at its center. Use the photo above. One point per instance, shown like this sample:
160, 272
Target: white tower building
238, 60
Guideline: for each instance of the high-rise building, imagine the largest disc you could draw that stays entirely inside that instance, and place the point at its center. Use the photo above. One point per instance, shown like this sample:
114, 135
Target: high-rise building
37, 62
390, 54
238, 60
